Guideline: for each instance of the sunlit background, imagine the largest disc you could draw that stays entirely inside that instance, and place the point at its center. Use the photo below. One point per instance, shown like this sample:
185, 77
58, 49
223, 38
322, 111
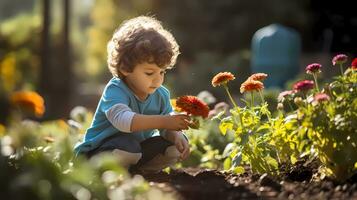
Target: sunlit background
58, 47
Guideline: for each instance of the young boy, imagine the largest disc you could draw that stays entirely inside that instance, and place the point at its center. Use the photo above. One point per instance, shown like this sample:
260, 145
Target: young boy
134, 118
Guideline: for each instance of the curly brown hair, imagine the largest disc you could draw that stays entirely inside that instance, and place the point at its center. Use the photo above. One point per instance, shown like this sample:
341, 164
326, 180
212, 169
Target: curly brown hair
138, 40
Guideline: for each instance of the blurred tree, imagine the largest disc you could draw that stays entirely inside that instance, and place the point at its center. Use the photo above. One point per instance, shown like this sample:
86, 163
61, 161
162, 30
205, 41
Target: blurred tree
56, 74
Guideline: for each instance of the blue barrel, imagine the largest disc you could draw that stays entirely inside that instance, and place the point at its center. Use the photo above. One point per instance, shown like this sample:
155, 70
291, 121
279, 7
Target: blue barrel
276, 51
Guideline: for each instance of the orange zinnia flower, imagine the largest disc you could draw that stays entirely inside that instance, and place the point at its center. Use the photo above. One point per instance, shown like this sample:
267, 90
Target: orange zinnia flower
222, 78
258, 76
29, 101
251, 85
192, 105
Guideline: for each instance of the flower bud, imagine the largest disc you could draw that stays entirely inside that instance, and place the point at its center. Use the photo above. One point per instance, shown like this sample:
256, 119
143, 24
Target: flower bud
280, 106
298, 101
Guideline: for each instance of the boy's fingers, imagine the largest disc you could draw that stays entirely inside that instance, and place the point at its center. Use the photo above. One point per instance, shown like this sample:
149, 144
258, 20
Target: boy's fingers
184, 116
183, 127
180, 147
185, 153
186, 125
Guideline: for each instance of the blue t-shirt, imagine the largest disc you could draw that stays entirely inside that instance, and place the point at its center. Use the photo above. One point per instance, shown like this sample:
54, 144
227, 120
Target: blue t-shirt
117, 92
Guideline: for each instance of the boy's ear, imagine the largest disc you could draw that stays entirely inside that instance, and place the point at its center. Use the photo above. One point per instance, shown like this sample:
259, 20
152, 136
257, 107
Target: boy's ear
123, 71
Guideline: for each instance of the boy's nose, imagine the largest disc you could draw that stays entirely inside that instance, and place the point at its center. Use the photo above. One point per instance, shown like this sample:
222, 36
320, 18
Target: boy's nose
158, 81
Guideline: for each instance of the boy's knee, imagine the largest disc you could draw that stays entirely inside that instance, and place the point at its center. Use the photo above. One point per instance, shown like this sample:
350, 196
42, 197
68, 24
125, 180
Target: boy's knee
161, 161
125, 158
172, 152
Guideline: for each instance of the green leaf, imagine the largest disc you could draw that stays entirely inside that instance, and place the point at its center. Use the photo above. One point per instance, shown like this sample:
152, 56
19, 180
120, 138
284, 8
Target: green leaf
239, 170
264, 109
263, 128
228, 149
227, 163
293, 159
272, 162
219, 115
226, 125
237, 159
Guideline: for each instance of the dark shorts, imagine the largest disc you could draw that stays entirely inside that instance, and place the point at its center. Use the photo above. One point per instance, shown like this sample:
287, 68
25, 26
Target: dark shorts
149, 148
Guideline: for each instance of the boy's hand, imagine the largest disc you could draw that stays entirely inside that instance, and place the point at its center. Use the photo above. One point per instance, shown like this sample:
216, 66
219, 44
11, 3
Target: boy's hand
180, 142
176, 122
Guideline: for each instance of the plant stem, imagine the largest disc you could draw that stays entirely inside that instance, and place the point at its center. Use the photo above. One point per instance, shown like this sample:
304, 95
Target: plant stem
291, 107
304, 94
261, 96
341, 69
263, 101
315, 78
252, 99
234, 104
229, 95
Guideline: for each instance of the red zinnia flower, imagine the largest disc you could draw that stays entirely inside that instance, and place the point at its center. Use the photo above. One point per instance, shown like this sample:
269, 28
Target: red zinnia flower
251, 85
222, 78
258, 76
192, 105
339, 59
304, 85
321, 97
354, 64
313, 68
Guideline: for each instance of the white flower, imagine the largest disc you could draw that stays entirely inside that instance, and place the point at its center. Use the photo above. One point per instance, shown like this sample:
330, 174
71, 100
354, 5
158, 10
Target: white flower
206, 96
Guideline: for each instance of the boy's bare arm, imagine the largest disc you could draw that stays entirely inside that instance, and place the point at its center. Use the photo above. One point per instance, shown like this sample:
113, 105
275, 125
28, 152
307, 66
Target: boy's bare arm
181, 143
169, 122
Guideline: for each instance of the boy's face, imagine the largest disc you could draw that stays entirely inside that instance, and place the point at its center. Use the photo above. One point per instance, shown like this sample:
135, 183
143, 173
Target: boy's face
144, 79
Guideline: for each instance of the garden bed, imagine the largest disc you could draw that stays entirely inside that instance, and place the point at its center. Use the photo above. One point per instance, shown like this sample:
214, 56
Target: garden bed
196, 183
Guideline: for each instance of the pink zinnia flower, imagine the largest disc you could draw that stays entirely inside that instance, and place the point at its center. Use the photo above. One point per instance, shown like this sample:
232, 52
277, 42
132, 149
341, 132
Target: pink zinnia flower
304, 85
285, 94
313, 68
354, 64
320, 97
339, 59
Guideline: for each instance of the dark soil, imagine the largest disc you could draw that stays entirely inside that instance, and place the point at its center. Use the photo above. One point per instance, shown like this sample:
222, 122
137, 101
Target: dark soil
295, 183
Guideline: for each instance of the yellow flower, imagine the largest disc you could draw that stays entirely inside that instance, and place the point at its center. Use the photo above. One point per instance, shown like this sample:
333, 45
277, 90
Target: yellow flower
2, 130
8, 74
62, 124
29, 101
174, 105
